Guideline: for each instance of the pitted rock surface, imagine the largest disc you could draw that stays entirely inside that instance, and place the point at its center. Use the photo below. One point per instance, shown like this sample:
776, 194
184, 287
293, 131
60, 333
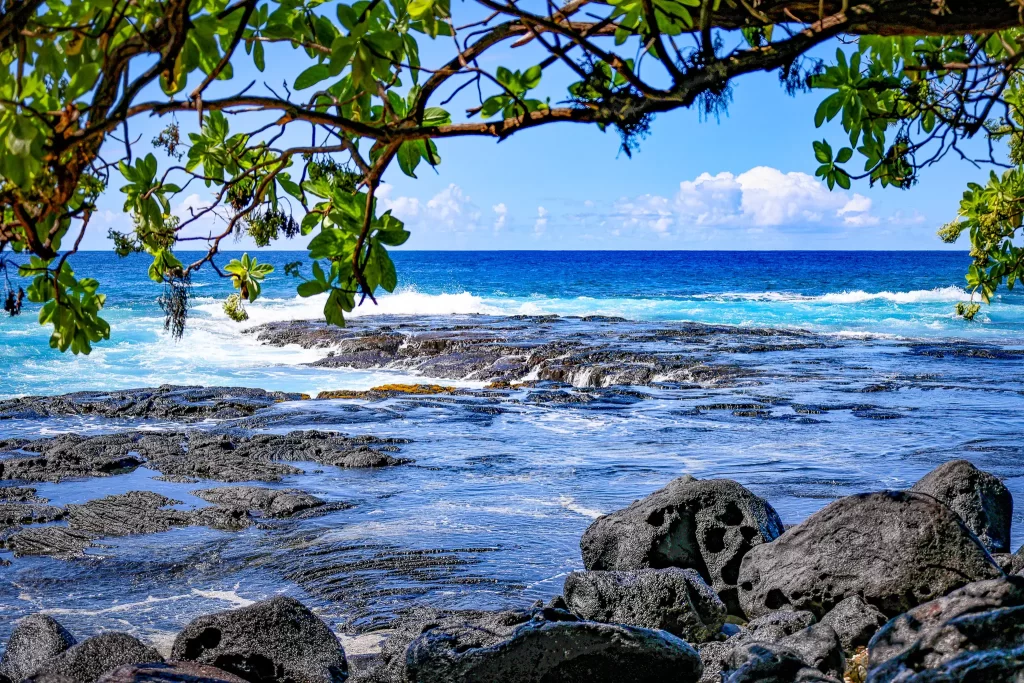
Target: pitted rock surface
895, 549
706, 525
35, 640
674, 600
90, 659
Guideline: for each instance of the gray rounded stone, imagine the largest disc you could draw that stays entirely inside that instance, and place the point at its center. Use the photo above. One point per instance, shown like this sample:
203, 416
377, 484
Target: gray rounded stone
706, 525
565, 651
273, 640
93, 657
35, 640
674, 600
895, 549
982, 501
855, 621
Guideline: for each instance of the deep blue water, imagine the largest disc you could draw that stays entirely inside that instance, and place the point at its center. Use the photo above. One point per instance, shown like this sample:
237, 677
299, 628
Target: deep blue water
505, 484
907, 294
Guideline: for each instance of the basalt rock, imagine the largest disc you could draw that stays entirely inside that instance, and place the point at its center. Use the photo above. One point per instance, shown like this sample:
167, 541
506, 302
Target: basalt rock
974, 634
768, 629
15, 514
774, 626
706, 525
55, 541
273, 640
819, 646
69, 456
135, 512
90, 659
35, 640
564, 651
982, 501
183, 403
895, 549
770, 663
169, 672
674, 600
270, 502
855, 621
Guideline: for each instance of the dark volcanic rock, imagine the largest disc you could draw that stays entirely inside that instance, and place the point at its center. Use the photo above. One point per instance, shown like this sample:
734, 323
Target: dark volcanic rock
273, 640
855, 621
895, 549
56, 541
774, 626
35, 640
14, 514
166, 401
271, 502
69, 456
674, 600
135, 512
169, 672
90, 659
564, 651
974, 634
819, 646
707, 525
770, 663
982, 501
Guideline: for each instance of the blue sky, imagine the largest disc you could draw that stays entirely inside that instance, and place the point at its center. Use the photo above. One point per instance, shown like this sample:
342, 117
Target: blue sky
744, 182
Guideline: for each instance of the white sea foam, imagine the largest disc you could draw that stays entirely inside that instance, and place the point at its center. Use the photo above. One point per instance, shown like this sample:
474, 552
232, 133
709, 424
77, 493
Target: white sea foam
937, 295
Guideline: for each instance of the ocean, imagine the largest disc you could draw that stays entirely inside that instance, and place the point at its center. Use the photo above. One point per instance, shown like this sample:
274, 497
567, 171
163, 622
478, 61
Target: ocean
822, 374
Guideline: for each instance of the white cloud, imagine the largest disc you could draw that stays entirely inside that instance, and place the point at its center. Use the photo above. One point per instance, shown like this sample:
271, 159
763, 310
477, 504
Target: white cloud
541, 223
501, 216
450, 209
762, 197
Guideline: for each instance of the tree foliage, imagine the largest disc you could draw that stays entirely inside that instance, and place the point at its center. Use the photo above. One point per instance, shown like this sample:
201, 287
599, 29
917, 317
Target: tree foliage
911, 82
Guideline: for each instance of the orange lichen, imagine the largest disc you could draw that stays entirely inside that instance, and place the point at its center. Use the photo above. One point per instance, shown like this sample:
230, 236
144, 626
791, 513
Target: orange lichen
386, 390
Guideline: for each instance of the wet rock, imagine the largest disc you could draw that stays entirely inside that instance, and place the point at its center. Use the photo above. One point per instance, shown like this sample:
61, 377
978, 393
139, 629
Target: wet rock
895, 549
855, 621
14, 514
975, 633
982, 501
55, 541
564, 651
220, 457
770, 663
169, 672
674, 600
271, 502
35, 640
70, 456
706, 525
273, 640
182, 403
19, 494
93, 657
819, 647
135, 512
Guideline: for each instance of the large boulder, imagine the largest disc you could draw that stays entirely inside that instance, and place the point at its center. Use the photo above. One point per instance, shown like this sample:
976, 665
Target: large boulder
169, 672
35, 640
93, 657
855, 621
982, 501
563, 651
674, 600
895, 549
973, 634
706, 525
274, 640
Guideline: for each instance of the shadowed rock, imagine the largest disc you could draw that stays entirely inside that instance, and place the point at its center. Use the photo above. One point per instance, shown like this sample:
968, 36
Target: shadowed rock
975, 633
855, 621
35, 640
90, 659
895, 549
819, 646
183, 403
169, 672
706, 525
273, 640
564, 651
982, 501
770, 663
70, 456
674, 600
774, 626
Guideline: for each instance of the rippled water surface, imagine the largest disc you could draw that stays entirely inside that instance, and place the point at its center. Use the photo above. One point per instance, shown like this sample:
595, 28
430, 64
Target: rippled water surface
867, 382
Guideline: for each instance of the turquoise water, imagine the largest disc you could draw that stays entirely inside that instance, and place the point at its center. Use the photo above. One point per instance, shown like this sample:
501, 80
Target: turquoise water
900, 294
888, 385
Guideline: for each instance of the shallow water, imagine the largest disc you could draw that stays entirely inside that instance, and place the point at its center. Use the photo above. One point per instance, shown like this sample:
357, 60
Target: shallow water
505, 482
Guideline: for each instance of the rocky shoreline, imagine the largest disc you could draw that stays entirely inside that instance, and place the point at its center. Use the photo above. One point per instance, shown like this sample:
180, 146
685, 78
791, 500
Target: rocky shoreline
696, 583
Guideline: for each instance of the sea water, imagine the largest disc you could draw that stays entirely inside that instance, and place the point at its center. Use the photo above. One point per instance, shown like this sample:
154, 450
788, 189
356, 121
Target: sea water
491, 513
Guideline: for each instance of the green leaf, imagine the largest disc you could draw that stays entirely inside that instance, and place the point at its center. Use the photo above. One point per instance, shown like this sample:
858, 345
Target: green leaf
312, 76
